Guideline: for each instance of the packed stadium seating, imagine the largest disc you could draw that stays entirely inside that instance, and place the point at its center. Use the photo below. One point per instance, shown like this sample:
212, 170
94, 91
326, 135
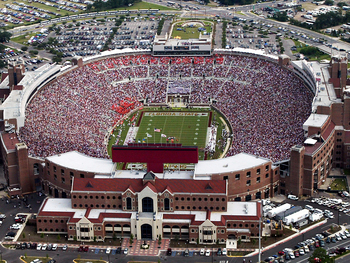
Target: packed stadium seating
265, 103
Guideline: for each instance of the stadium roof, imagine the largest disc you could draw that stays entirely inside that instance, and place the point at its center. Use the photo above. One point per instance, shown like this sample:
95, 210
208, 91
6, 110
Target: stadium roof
237, 162
81, 162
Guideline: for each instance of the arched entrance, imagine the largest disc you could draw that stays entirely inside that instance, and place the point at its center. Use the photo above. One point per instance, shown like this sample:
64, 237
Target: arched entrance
146, 231
147, 204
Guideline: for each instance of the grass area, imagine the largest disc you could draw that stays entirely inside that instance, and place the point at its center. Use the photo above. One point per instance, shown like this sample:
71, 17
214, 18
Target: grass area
266, 241
183, 244
23, 39
312, 57
241, 13
32, 236
145, 5
308, 6
334, 229
339, 184
188, 130
238, 253
347, 171
89, 261
188, 32
30, 259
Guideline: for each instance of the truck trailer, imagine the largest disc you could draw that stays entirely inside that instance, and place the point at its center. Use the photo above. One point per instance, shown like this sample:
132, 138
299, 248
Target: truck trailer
273, 212
293, 218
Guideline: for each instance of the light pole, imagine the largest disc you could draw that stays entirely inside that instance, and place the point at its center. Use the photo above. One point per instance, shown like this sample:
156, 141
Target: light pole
47, 238
259, 258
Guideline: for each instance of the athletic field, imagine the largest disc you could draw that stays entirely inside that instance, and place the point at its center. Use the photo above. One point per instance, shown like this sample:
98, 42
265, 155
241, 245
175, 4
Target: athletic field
187, 128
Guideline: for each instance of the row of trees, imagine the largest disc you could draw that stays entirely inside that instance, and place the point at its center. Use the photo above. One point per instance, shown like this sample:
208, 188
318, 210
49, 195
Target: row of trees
110, 4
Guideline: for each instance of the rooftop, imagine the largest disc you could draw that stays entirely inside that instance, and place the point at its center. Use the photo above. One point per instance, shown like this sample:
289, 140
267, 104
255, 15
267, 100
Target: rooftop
315, 120
160, 185
237, 162
81, 162
237, 209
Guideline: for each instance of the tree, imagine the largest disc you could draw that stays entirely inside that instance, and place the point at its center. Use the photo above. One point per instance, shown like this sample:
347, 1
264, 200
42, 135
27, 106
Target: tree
329, 2
34, 52
58, 237
3, 63
239, 241
281, 16
42, 235
131, 240
4, 36
321, 253
160, 240
24, 48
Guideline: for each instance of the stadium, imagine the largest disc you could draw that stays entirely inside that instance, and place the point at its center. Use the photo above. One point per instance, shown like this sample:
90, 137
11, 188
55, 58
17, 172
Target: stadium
238, 125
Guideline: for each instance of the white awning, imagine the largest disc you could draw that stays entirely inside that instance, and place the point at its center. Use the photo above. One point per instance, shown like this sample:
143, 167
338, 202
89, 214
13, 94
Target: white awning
310, 141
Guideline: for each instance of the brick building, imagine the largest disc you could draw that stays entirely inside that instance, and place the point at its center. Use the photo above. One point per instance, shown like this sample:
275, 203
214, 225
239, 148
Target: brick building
194, 210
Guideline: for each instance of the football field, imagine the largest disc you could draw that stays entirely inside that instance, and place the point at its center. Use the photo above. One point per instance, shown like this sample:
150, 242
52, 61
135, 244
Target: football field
187, 128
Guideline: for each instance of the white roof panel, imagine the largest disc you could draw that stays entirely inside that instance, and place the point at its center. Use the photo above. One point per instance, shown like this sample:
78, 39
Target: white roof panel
237, 209
81, 162
237, 162
315, 120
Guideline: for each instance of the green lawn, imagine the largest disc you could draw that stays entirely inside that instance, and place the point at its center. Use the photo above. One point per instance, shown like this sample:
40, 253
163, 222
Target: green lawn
23, 39
188, 130
145, 5
300, 45
188, 32
339, 184
89, 261
30, 259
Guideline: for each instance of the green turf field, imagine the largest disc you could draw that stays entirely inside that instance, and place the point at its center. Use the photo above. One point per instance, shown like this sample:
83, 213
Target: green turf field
187, 128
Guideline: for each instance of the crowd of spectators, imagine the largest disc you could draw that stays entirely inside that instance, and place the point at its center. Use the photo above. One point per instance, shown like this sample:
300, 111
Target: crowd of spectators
265, 104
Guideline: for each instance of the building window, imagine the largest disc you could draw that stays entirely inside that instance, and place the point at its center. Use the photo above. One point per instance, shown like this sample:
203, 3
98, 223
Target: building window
54, 169
248, 182
258, 180
248, 174
55, 177
266, 175
258, 171
82, 176
62, 172
267, 168
225, 177
71, 174
128, 203
63, 180
166, 204
238, 176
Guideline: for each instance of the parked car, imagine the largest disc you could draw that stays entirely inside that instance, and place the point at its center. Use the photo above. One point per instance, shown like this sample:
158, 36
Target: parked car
207, 253
65, 247
169, 251
38, 247
186, 253
224, 251
219, 252
44, 247
293, 197
126, 251
108, 250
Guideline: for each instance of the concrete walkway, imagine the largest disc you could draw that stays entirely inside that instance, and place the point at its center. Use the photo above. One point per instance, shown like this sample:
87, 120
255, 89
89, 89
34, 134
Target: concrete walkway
153, 250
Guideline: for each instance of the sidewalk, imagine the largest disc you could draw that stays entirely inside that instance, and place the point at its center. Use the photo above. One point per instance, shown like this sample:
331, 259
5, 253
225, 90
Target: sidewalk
153, 250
